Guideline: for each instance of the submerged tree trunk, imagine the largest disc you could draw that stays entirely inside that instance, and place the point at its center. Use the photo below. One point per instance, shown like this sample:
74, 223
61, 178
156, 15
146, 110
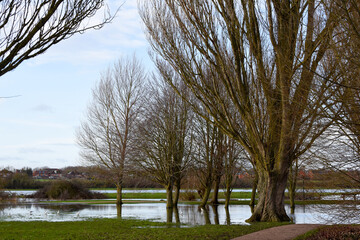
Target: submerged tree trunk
216, 214
176, 214
227, 212
205, 211
270, 206
118, 210
169, 215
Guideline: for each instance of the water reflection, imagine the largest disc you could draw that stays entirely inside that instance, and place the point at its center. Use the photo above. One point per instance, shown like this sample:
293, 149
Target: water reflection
183, 214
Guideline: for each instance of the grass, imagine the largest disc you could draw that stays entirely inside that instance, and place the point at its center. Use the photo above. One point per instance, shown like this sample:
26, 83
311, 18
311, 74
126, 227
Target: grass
147, 195
122, 229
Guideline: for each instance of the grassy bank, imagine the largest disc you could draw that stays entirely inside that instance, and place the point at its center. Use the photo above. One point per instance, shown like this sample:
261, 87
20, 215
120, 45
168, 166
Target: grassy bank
147, 195
122, 229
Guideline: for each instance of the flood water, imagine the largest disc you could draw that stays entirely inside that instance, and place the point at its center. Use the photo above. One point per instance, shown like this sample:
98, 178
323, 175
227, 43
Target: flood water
31, 210
185, 214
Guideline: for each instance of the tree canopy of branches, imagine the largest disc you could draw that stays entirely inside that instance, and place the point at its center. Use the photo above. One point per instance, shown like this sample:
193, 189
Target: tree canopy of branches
260, 68
28, 28
348, 41
107, 136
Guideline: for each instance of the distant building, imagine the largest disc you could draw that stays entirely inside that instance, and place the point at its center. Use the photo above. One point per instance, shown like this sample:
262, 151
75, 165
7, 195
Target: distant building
48, 173
74, 174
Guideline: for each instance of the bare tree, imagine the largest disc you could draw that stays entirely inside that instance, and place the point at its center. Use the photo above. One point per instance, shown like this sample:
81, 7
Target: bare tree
165, 140
233, 162
268, 57
205, 154
107, 136
29, 28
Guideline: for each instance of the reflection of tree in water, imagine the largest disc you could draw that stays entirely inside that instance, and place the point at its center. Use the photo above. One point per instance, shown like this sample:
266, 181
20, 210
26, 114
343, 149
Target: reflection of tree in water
227, 212
118, 210
174, 211
216, 213
65, 207
337, 213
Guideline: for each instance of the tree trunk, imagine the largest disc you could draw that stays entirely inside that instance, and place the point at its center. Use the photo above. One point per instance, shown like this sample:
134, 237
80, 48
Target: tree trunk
215, 195
119, 194
169, 197
270, 206
227, 194
176, 195
169, 214
205, 196
253, 192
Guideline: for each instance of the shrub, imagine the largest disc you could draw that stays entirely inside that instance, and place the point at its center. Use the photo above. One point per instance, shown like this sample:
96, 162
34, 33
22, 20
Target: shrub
188, 195
64, 189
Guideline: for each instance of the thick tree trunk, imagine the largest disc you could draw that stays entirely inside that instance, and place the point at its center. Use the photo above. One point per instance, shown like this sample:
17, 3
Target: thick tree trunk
215, 195
169, 214
169, 197
270, 207
119, 194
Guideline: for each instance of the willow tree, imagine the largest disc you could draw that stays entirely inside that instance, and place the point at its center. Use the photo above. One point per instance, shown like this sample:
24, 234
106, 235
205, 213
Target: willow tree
29, 28
268, 56
107, 134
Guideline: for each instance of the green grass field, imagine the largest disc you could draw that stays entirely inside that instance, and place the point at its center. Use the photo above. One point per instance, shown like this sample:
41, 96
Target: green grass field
122, 229
147, 195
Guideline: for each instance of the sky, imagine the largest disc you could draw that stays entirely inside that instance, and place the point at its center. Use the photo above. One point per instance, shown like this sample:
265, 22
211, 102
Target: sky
37, 129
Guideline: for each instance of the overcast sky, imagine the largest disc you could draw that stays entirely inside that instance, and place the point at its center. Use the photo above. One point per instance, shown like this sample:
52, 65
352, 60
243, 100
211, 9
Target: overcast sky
37, 128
